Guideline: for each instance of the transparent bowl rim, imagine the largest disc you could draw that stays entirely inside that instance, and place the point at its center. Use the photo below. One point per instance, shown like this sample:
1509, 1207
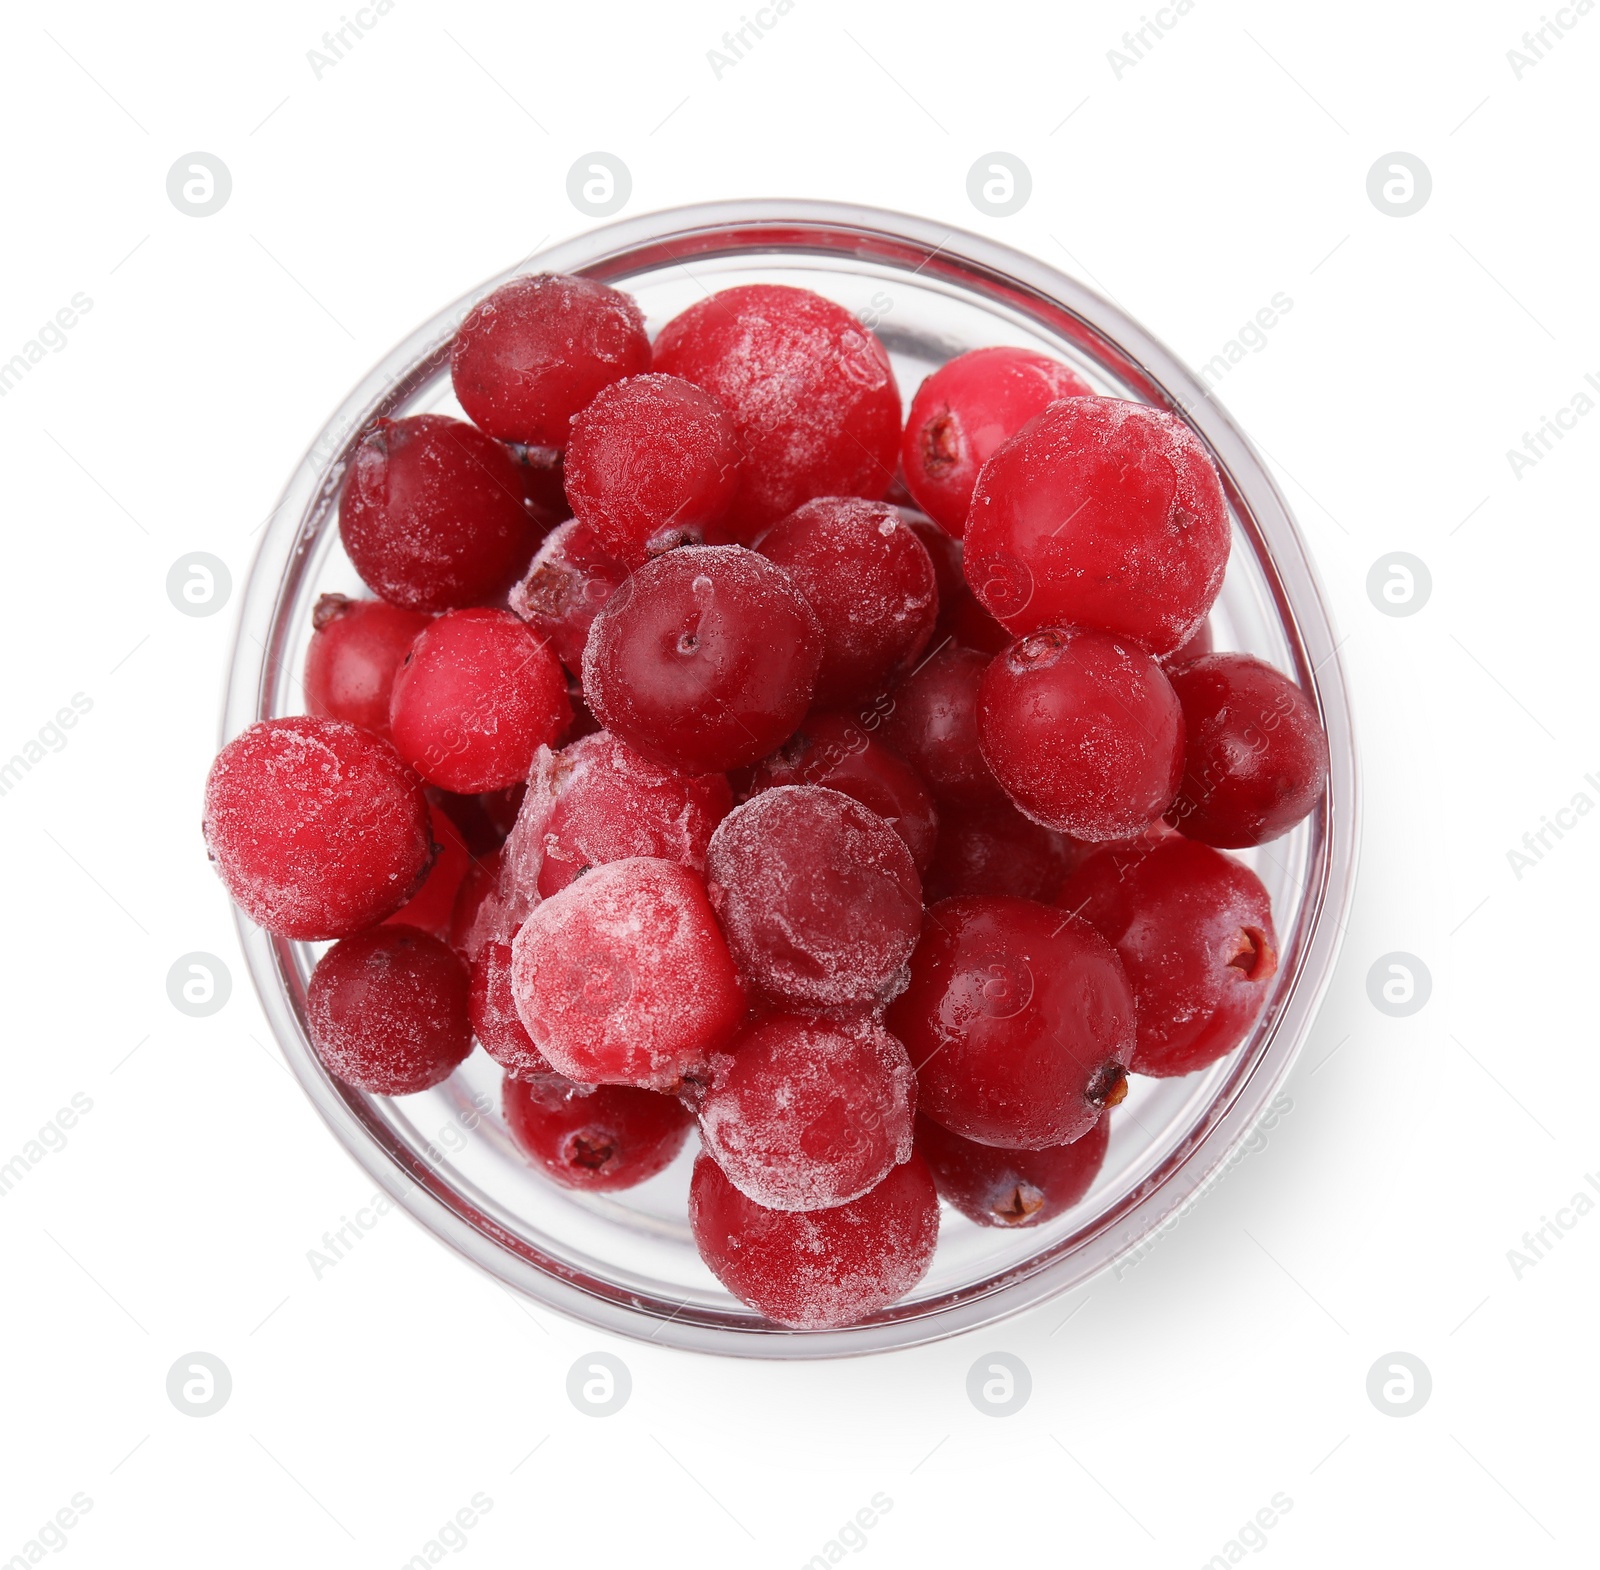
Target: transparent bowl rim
787, 227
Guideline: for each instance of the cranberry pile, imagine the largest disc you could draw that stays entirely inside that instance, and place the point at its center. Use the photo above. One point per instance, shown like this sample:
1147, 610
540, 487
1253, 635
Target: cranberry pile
701, 786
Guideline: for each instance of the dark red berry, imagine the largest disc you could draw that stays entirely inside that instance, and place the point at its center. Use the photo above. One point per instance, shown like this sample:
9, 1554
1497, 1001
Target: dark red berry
430, 907
1256, 758
543, 477
432, 514
810, 390
819, 898
623, 977
653, 462
478, 695
601, 1138
802, 1114
1193, 929
316, 827
869, 579
535, 352
1019, 1022
495, 1021
994, 849
933, 725
1011, 1188
964, 411
1083, 730
705, 659
387, 1011
1100, 513
356, 648
607, 802
838, 752
566, 587
817, 1269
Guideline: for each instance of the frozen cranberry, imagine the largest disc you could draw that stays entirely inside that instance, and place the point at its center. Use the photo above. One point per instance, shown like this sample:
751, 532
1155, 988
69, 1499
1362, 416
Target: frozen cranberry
430, 907
623, 977
608, 803
818, 896
536, 351
705, 659
871, 583
817, 1269
569, 582
432, 514
476, 917
1084, 732
316, 827
810, 390
495, 1021
802, 1114
601, 1138
543, 477
944, 551
1199, 645
1100, 513
995, 850
387, 1011
1019, 1021
356, 648
477, 696
1193, 929
1011, 1188
838, 752
653, 462
934, 727
1256, 758
964, 411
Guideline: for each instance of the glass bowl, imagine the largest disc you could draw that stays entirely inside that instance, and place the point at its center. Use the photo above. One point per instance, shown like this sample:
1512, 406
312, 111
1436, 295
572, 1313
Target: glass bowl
626, 1263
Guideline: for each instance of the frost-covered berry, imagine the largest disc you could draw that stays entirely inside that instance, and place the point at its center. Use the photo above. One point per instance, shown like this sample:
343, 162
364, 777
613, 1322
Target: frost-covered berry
535, 352
495, 1021
817, 1269
565, 588
623, 977
819, 898
387, 1011
810, 390
806, 1113
316, 827
597, 1138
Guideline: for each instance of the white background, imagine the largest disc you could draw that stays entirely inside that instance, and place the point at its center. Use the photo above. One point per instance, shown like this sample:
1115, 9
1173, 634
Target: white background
1231, 1365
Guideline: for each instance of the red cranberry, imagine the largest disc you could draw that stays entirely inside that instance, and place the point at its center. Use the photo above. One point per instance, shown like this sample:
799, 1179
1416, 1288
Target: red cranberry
568, 584
601, 1138
536, 351
1084, 732
608, 803
802, 1114
819, 898
387, 1011
871, 583
810, 390
432, 514
1019, 1021
653, 462
1100, 513
476, 918
430, 907
934, 727
623, 977
495, 1021
832, 750
1193, 929
316, 827
1256, 759
817, 1269
356, 648
964, 411
478, 695
1011, 1188
995, 850
705, 659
